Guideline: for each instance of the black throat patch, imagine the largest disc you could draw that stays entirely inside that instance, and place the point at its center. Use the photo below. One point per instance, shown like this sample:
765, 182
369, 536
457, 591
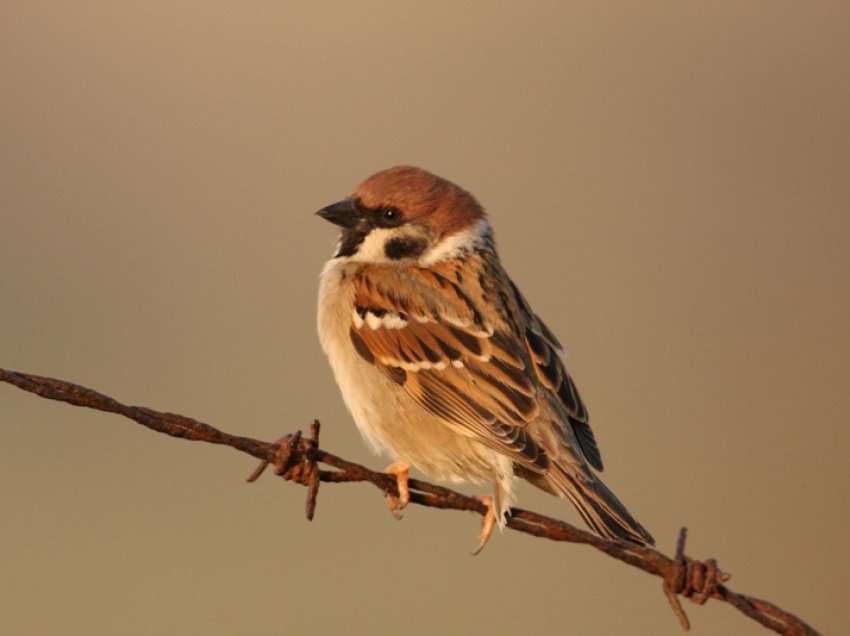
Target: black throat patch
350, 241
404, 247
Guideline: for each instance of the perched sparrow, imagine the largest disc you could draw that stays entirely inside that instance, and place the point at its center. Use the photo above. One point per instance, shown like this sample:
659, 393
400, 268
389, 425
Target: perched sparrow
441, 360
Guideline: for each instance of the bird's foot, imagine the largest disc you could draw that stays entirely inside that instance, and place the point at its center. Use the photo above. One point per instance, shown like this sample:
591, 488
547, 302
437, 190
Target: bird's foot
487, 524
401, 471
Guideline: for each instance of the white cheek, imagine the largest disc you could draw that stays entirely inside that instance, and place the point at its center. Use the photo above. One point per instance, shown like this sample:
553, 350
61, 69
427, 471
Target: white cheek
371, 250
456, 244
373, 247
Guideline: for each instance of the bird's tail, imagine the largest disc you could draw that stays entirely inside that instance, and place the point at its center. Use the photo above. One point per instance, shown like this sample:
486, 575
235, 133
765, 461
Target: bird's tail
600, 508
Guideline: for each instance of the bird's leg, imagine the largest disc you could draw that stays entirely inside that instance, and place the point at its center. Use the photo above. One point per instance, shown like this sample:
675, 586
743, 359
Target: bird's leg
487, 524
397, 504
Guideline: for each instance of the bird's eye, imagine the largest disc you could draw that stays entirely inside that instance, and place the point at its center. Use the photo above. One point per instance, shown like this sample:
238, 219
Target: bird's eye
390, 217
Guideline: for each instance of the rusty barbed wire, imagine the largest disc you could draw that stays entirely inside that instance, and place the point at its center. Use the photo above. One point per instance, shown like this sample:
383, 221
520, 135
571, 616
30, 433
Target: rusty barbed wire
296, 458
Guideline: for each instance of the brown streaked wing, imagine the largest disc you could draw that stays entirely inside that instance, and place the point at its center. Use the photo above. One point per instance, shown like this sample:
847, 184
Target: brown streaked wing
425, 331
546, 356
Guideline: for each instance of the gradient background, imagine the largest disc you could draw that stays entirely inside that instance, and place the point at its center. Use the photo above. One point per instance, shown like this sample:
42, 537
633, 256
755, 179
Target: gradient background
669, 184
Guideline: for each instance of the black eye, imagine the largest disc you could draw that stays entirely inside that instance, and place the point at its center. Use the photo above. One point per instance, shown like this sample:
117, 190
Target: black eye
390, 217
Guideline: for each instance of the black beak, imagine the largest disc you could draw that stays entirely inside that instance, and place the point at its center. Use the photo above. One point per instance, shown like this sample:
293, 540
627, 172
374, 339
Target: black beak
343, 213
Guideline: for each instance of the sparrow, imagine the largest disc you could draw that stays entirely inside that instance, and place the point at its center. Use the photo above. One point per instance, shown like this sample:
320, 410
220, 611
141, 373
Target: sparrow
442, 362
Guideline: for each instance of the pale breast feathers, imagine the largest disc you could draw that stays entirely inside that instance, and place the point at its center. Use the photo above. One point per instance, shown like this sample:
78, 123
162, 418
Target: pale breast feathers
460, 357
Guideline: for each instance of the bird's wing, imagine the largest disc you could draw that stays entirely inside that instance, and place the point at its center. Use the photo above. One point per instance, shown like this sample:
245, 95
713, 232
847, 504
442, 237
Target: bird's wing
426, 330
546, 354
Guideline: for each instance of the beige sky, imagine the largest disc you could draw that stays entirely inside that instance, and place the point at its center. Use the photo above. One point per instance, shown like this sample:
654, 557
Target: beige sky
669, 187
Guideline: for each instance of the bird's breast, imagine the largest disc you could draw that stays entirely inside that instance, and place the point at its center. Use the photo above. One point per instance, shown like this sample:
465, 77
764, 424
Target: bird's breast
387, 416
363, 387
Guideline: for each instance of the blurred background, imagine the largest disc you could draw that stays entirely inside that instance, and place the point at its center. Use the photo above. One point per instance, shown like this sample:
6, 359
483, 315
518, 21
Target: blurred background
669, 185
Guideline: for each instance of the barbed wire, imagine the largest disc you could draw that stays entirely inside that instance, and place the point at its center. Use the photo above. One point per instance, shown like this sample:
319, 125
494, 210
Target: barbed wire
297, 458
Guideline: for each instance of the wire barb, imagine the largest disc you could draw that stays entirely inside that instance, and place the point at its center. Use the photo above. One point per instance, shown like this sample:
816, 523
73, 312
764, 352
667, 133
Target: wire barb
696, 580
293, 460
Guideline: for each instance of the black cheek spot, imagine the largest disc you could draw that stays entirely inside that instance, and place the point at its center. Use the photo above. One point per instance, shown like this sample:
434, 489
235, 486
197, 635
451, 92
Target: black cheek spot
398, 248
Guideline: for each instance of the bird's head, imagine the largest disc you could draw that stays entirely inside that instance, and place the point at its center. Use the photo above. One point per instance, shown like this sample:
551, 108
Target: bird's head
405, 214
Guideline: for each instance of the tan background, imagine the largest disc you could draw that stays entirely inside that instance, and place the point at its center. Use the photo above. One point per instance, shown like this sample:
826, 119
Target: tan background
669, 184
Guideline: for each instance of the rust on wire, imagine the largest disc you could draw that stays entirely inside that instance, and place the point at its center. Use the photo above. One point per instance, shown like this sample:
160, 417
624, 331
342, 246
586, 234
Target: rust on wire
297, 459
294, 460
696, 580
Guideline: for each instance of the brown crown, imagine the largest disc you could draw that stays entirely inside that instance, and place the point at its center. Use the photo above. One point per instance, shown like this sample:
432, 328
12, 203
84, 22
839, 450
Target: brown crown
422, 197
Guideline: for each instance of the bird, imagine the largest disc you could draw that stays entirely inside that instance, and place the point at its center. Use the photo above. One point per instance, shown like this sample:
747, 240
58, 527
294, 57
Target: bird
441, 361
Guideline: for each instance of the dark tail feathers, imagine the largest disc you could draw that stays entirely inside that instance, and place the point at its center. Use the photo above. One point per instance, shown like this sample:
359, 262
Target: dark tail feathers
603, 512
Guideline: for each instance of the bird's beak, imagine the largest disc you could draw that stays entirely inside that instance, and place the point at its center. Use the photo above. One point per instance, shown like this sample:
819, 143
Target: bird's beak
343, 213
